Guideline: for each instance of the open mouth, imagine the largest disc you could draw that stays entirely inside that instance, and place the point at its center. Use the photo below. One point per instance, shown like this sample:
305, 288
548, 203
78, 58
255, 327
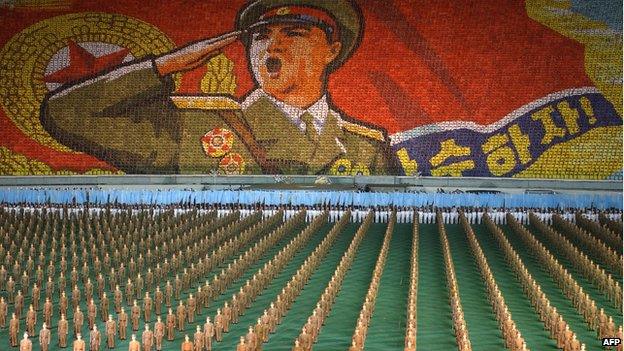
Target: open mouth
273, 65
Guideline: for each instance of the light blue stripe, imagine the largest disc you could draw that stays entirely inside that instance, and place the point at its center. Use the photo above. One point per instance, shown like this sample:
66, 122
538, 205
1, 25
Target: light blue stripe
311, 198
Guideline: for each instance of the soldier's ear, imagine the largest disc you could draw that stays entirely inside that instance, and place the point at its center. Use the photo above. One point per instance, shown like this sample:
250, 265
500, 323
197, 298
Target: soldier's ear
334, 50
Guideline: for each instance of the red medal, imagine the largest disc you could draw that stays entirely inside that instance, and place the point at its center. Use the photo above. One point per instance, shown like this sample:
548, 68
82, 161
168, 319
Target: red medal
232, 164
217, 142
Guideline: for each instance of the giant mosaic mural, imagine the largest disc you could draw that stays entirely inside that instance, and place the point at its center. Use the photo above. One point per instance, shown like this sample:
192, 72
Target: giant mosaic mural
378, 87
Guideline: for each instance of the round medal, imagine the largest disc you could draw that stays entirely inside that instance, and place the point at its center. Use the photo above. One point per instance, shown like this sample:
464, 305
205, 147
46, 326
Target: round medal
217, 142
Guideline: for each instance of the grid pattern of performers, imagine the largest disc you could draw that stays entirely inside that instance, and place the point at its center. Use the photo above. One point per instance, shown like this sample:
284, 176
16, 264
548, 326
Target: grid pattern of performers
148, 273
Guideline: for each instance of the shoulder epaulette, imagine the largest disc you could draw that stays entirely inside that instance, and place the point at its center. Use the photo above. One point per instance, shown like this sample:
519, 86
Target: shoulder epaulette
364, 131
205, 102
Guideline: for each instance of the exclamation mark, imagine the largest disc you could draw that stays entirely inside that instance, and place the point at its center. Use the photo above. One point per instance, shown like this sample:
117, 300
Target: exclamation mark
589, 111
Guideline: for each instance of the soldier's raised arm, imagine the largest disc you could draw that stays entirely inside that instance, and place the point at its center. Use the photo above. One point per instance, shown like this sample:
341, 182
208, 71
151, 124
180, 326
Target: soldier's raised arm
125, 116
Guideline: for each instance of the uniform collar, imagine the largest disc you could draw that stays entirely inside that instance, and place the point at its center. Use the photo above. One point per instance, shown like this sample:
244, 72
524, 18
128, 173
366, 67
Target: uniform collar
319, 110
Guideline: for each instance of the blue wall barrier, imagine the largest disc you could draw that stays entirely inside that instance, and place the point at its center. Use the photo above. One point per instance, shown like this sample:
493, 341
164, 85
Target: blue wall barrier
294, 197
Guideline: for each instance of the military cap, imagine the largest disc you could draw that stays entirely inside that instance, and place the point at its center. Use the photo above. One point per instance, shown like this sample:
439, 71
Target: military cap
340, 19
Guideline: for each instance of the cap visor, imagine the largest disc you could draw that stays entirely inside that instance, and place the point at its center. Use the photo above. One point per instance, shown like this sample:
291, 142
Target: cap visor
276, 20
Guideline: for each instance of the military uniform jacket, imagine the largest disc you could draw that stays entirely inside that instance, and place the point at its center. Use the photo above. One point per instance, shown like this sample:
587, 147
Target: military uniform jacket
129, 118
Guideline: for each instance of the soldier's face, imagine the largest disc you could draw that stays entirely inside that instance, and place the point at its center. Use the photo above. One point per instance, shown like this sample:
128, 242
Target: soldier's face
288, 57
